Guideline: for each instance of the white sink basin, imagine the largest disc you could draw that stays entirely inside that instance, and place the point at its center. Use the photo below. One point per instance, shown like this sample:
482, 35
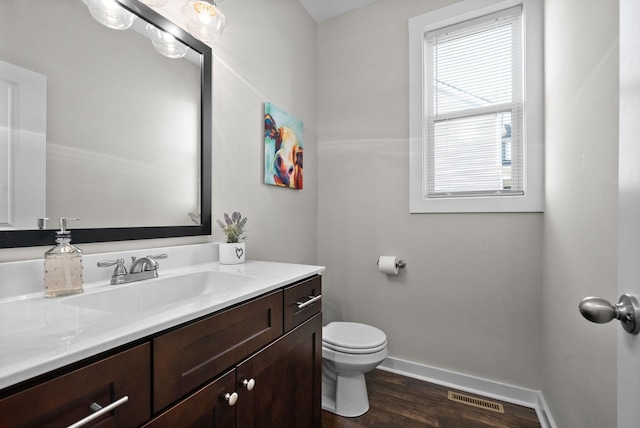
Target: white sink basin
154, 293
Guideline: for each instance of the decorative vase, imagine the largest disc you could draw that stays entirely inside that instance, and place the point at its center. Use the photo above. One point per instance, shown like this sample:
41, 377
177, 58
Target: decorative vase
232, 253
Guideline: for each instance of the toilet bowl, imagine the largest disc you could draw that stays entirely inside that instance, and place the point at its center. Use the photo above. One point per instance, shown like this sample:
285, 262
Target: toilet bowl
349, 350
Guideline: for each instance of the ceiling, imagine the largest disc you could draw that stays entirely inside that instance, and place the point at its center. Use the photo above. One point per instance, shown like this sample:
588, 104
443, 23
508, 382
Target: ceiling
322, 10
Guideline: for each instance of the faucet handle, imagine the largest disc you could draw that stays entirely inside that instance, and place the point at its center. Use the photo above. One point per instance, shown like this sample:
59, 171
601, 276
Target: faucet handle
154, 263
119, 264
156, 257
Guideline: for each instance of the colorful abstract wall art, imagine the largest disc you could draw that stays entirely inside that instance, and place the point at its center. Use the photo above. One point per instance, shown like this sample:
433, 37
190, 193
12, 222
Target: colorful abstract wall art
282, 148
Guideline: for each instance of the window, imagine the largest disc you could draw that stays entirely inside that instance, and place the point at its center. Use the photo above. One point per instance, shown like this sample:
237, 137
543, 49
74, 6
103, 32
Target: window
476, 140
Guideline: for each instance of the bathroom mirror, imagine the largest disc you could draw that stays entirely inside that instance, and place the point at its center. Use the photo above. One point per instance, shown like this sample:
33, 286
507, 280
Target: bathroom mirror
128, 130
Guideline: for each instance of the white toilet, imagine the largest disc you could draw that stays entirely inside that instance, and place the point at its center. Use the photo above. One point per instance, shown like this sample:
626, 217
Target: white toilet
349, 350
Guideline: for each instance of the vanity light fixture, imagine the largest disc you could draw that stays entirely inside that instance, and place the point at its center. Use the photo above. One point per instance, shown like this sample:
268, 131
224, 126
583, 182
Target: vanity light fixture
204, 20
110, 14
156, 3
165, 43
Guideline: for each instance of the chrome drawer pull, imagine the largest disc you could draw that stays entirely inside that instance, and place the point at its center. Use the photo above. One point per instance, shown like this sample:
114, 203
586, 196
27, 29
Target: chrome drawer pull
102, 411
312, 300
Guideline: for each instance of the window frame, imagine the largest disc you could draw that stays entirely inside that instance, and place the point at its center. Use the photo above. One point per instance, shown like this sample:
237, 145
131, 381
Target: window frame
533, 115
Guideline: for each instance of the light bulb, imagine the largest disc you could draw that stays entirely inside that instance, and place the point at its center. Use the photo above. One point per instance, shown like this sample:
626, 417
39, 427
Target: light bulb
205, 12
110, 14
204, 20
165, 43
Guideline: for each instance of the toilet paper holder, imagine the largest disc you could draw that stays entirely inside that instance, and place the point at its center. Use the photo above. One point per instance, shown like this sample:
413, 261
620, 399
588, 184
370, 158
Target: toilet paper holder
399, 264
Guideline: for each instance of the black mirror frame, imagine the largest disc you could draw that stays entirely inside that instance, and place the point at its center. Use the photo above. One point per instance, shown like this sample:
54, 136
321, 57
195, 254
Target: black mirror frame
32, 238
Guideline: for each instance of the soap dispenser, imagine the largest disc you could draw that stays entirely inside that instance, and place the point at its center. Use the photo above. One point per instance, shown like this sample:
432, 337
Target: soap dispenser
63, 265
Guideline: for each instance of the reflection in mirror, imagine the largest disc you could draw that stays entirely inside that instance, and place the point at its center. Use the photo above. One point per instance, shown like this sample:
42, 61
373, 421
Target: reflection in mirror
110, 14
127, 130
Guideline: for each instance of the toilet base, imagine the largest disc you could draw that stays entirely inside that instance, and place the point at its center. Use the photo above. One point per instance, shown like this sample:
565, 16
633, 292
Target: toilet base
349, 391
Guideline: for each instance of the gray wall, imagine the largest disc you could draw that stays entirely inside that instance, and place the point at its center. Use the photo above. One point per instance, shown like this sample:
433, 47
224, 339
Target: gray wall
580, 222
470, 297
267, 53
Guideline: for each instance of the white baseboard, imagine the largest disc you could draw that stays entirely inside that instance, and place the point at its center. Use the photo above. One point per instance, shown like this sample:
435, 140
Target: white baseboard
474, 385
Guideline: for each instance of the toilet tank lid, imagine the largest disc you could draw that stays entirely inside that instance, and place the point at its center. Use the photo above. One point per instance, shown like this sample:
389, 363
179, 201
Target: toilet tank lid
353, 335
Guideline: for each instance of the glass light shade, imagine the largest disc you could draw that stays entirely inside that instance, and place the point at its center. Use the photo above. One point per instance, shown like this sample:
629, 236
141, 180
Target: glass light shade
165, 43
156, 3
204, 20
110, 14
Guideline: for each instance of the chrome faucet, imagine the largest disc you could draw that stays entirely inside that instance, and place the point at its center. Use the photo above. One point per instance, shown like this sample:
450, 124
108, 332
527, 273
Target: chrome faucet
144, 264
142, 268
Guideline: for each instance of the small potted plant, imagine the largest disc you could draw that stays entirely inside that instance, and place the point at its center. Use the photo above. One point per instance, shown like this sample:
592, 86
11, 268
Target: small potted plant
233, 251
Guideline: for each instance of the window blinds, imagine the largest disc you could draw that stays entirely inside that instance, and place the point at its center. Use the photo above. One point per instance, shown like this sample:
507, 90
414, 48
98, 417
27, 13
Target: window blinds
474, 108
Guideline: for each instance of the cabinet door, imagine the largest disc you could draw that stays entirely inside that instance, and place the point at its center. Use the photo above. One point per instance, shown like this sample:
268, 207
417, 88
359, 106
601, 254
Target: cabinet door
207, 407
67, 399
287, 378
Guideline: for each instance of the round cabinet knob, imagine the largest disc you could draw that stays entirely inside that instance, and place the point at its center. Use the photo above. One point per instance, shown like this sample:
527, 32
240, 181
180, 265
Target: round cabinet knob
231, 398
249, 384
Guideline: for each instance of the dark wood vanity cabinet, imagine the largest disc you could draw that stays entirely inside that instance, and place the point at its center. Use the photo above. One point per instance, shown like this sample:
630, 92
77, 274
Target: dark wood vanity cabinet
257, 364
276, 377
279, 386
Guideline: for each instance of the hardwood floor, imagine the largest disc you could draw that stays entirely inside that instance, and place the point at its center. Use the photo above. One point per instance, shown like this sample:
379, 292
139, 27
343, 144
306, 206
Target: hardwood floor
399, 401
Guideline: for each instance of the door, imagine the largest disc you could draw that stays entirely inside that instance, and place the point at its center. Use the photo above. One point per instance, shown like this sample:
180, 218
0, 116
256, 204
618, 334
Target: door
23, 116
280, 386
629, 203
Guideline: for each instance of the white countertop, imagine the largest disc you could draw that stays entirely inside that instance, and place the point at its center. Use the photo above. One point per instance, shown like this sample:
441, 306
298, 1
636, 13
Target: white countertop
38, 335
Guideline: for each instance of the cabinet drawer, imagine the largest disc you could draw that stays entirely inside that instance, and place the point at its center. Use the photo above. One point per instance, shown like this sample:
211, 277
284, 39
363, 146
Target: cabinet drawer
187, 358
297, 302
65, 400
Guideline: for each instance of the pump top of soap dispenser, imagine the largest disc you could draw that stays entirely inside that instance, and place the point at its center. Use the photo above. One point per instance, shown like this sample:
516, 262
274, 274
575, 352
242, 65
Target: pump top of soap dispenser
64, 234
63, 226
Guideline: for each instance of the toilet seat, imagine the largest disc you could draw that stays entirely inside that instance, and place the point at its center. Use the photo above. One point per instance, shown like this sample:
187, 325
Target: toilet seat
353, 338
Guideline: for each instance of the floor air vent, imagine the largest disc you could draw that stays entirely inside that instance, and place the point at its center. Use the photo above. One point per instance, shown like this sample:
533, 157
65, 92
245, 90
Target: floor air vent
475, 402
